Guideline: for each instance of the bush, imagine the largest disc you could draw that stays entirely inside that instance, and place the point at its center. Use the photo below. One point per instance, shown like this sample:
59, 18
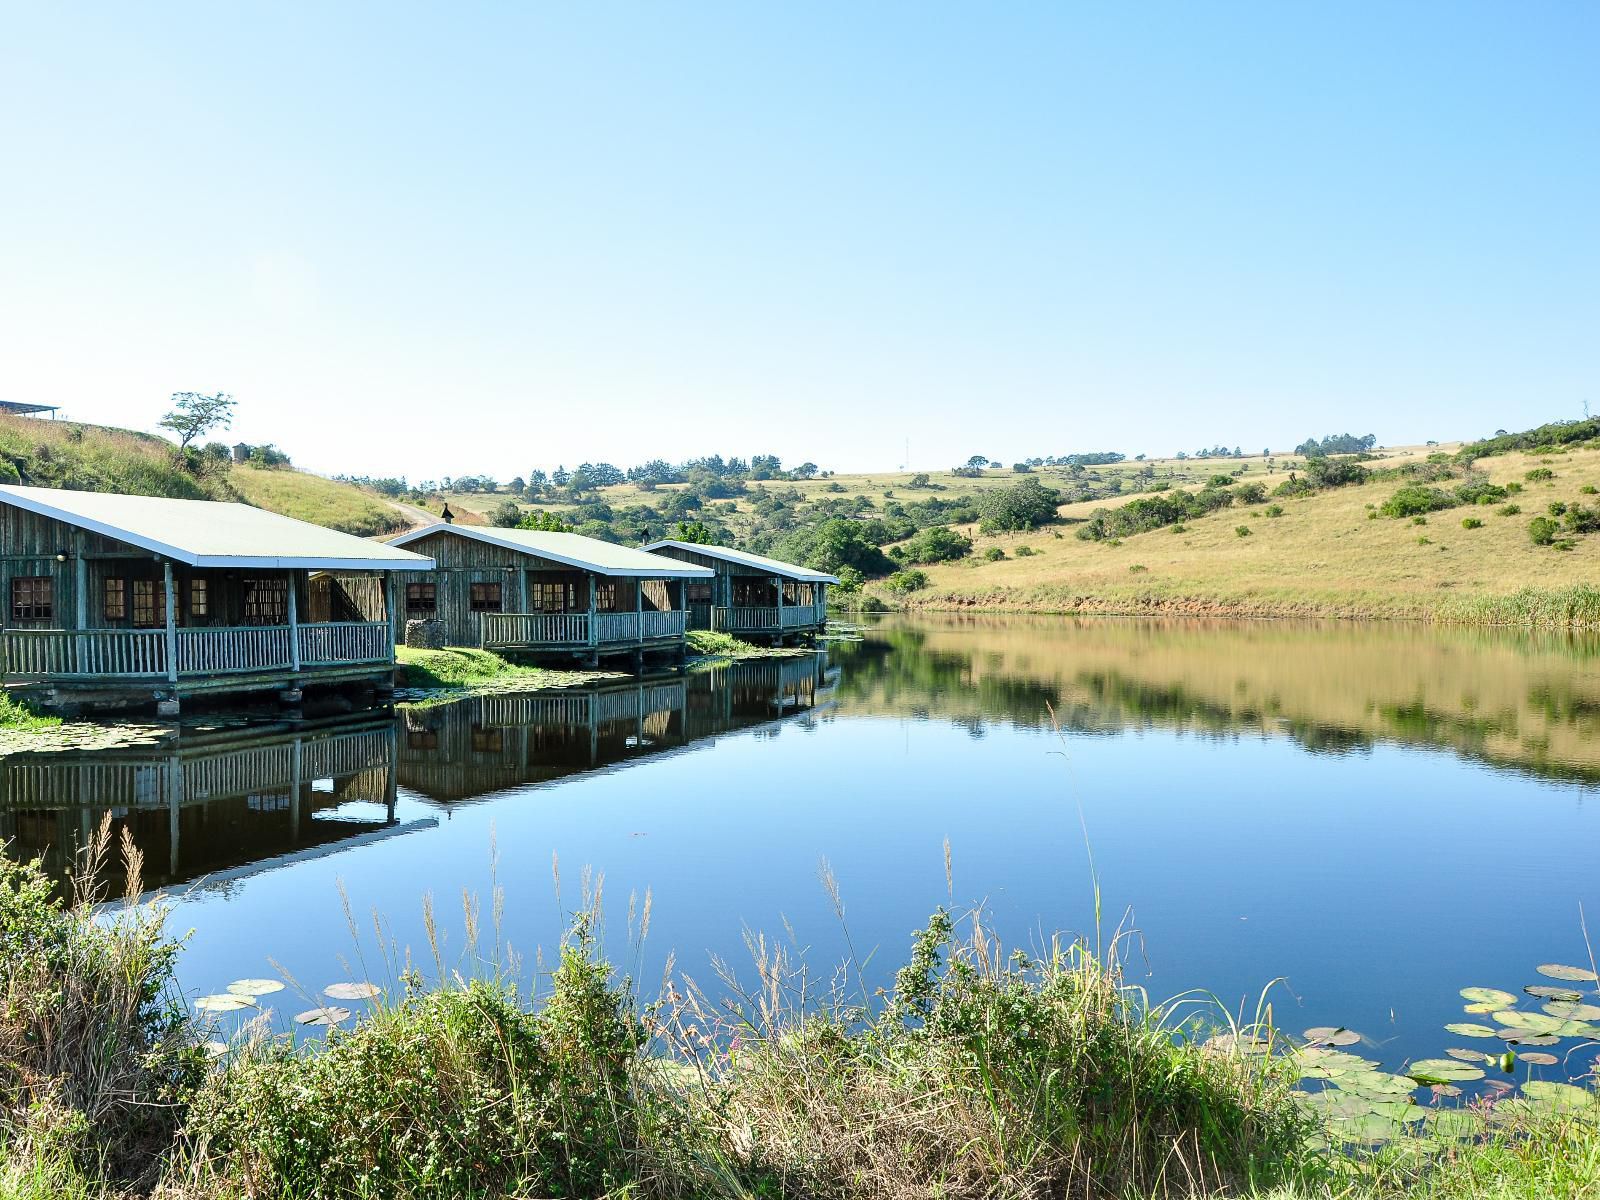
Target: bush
910, 580
1414, 499
1025, 505
505, 515
1582, 520
1589, 489
1241, 530
1137, 569
1538, 474
1509, 510
1419, 520
1471, 523
1026, 552
1250, 493
935, 544
1335, 472
1479, 491
993, 554
1542, 531
1274, 510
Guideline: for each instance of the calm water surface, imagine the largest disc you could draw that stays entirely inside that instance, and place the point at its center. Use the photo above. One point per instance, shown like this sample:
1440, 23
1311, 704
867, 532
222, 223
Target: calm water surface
1376, 814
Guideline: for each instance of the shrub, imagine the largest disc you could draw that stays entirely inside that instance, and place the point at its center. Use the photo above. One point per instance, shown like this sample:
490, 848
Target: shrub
1513, 488
1589, 489
1419, 520
505, 515
993, 554
935, 544
1557, 508
1414, 499
1509, 510
1250, 493
1274, 510
1137, 569
909, 580
1582, 520
1220, 481
1542, 531
1241, 530
1538, 474
1025, 551
1335, 472
1471, 523
1479, 491
1025, 505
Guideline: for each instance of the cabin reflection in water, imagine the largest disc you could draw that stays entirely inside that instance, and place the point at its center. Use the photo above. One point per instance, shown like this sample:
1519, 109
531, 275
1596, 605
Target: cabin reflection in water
476, 747
208, 810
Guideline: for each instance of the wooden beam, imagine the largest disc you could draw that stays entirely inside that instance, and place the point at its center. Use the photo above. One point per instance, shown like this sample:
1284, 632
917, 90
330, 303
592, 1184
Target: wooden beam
172, 620
294, 625
80, 583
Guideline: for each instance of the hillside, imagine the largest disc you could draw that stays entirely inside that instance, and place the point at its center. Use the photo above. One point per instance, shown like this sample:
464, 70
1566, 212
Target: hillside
95, 458
1327, 554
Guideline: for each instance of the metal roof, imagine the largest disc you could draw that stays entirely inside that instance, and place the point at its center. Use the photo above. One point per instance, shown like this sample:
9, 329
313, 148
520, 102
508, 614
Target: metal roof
23, 407
745, 559
209, 533
573, 549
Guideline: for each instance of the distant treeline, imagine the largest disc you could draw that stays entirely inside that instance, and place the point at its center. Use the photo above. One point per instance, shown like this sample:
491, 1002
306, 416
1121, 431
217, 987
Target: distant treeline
1336, 443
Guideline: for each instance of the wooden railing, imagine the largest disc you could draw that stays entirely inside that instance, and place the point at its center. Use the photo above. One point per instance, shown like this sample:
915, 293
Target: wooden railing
142, 653
663, 624
44, 653
616, 627
339, 642
535, 629
232, 648
763, 619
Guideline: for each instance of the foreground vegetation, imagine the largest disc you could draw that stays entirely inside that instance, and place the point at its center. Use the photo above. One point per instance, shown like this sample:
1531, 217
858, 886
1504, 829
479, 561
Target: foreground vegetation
463, 667
980, 1073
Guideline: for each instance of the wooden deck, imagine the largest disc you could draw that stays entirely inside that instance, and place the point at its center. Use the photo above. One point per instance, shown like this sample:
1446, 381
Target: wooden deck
769, 620
188, 655
600, 632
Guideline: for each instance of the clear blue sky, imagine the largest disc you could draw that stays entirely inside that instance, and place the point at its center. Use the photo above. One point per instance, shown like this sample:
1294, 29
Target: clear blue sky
482, 238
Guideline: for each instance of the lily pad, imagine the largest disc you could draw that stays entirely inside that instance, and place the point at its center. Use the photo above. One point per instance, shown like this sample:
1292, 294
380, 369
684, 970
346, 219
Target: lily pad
1400, 1110
1443, 1070
1568, 1010
224, 1002
1369, 1129
328, 1014
1334, 1104
1378, 1083
1524, 1037
1467, 1029
1561, 971
350, 991
1538, 1058
1476, 1057
1453, 1122
255, 987
1332, 1035
1551, 992
1483, 995
1539, 1023
1563, 1097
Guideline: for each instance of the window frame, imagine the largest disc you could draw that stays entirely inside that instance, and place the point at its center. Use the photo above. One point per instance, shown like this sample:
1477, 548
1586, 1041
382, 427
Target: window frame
114, 598
477, 605
413, 601
153, 591
33, 598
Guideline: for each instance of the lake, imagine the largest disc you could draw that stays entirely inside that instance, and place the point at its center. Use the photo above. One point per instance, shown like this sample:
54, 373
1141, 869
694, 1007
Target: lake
1375, 814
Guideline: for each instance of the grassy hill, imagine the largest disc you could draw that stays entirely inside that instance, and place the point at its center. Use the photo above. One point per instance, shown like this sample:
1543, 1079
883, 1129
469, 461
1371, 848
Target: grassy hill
1327, 554
95, 458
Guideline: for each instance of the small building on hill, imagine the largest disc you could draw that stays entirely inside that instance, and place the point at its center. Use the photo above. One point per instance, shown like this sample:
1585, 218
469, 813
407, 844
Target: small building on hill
18, 408
557, 595
751, 596
121, 601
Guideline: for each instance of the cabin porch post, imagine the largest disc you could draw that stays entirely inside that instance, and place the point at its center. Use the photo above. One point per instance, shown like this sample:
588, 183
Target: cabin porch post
594, 653
171, 607
80, 583
779, 583
294, 625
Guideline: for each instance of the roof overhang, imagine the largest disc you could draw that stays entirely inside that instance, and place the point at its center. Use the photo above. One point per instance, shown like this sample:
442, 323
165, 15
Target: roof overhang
669, 569
414, 562
738, 558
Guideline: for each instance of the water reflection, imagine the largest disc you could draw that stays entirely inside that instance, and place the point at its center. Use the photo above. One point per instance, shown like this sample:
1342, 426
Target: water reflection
216, 808
1512, 699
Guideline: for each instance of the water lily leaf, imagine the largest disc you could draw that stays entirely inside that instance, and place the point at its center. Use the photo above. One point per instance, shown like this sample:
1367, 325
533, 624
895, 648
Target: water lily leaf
1539, 1023
1563, 1097
224, 1002
255, 987
1332, 1035
1550, 992
1466, 1029
1479, 1009
1399, 1110
1369, 1129
1568, 1010
1476, 1057
328, 1014
1560, 971
1539, 1058
1523, 1037
350, 991
1483, 995
1334, 1104
1443, 1070
1378, 1083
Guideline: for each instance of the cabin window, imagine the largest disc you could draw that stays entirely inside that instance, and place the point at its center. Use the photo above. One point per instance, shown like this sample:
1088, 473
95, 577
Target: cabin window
199, 598
149, 603
484, 597
266, 602
32, 598
114, 600
605, 597
697, 593
422, 599
552, 597
422, 739
488, 741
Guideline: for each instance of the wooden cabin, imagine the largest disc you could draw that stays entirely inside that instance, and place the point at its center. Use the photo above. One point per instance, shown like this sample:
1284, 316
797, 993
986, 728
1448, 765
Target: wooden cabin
120, 601
751, 596
549, 594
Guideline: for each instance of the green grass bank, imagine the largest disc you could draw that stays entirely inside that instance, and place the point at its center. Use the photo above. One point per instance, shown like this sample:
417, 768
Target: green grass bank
983, 1072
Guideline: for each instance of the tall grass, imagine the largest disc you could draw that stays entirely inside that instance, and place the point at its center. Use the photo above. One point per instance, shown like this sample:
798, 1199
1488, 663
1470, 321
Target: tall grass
1574, 607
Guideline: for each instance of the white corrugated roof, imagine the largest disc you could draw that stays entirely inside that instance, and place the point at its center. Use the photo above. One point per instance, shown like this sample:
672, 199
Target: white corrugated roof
208, 533
746, 559
573, 549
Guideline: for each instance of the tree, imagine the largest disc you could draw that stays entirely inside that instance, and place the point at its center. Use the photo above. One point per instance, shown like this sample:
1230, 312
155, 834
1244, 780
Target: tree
693, 531
806, 470
195, 414
978, 462
1025, 505
506, 515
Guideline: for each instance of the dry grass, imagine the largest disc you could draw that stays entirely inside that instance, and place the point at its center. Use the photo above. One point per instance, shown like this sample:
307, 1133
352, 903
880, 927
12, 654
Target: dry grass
1322, 557
320, 501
